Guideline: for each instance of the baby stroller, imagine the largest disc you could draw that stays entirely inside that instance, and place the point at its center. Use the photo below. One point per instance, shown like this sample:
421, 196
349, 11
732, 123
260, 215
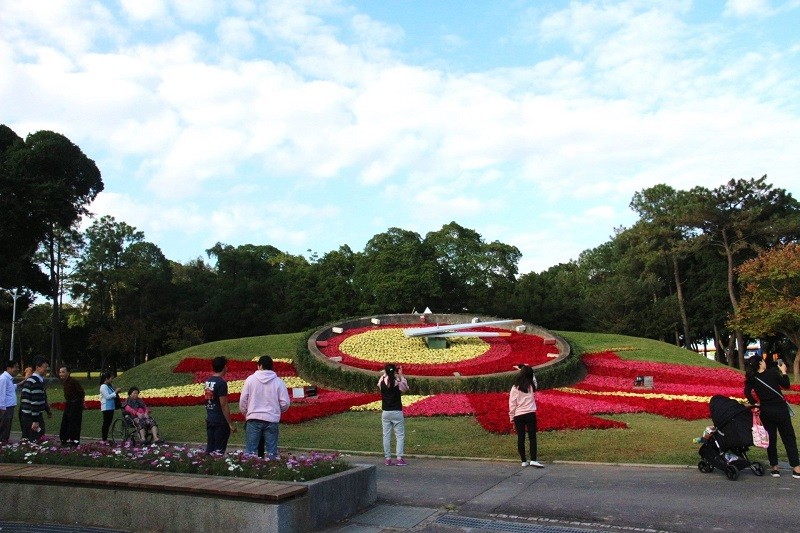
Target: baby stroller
725, 445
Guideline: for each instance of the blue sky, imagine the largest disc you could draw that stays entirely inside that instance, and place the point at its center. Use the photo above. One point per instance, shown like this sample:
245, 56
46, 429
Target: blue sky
308, 125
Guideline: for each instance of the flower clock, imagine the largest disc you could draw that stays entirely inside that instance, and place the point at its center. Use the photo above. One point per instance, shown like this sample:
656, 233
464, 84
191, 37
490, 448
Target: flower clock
370, 348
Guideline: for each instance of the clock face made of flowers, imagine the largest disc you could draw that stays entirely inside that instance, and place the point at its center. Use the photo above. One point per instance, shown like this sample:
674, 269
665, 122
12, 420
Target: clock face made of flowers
370, 347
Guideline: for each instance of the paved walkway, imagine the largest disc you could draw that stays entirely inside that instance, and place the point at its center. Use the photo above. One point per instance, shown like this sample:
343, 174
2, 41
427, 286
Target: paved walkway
455, 495
438, 495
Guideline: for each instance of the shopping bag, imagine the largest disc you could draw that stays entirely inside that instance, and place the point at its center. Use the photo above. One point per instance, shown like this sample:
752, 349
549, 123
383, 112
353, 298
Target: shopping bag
760, 435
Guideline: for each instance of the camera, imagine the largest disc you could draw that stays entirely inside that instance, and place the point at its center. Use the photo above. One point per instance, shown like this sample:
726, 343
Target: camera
779, 362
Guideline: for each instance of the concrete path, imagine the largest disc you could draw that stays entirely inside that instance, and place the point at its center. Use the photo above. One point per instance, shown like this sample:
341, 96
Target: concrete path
439, 495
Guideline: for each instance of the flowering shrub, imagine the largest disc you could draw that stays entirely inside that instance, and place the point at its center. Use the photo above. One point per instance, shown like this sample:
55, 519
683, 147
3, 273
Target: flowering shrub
167, 458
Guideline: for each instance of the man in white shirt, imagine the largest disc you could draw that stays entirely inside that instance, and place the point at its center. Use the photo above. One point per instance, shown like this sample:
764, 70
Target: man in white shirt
8, 399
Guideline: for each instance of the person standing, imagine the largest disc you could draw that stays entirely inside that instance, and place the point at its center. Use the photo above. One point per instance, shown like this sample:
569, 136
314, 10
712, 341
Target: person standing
522, 413
108, 402
74, 394
767, 382
219, 425
264, 397
8, 400
33, 402
392, 385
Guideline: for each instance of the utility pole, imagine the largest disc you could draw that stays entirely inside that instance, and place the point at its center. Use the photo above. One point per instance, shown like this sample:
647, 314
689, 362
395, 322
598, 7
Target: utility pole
14, 295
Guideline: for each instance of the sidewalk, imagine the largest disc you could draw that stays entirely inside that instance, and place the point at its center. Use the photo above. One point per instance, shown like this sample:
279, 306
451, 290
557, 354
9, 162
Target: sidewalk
441, 495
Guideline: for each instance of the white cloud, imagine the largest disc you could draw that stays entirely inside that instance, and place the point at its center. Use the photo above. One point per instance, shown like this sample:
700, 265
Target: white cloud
747, 8
272, 100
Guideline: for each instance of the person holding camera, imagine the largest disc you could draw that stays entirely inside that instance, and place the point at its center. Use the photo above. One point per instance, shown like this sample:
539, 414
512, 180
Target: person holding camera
109, 397
392, 385
766, 383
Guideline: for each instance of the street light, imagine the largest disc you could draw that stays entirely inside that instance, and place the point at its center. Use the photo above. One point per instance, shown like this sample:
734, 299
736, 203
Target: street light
14, 295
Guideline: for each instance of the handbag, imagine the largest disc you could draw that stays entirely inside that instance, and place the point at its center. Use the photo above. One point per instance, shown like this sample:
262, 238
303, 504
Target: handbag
117, 401
760, 435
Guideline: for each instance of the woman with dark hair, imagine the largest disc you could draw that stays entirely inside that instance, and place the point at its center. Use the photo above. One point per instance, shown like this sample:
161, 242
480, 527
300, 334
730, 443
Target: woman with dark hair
108, 395
392, 385
140, 415
766, 383
522, 413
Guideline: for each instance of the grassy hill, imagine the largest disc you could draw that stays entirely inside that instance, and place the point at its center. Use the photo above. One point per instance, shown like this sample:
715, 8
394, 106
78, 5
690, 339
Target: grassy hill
648, 439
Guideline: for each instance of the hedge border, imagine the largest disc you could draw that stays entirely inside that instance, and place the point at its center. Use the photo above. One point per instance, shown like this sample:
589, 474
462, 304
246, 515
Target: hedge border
316, 368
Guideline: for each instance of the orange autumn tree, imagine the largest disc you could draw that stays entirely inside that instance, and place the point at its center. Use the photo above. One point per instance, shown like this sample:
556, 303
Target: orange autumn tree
770, 300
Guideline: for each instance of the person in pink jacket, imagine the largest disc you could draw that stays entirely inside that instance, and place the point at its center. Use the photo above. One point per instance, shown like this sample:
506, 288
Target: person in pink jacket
522, 413
264, 397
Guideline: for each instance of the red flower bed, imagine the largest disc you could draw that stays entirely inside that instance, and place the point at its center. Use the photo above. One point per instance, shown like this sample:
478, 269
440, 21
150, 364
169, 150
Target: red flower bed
502, 355
197, 364
491, 410
328, 404
440, 405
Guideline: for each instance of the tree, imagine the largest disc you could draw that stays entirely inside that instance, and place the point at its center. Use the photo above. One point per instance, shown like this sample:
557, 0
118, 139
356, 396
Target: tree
740, 219
47, 182
770, 299
99, 281
662, 228
473, 274
396, 273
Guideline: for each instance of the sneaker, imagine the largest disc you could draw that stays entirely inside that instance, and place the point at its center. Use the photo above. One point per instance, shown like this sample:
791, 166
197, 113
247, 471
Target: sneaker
524, 463
537, 464
774, 473
796, 475
401, 462
388, 462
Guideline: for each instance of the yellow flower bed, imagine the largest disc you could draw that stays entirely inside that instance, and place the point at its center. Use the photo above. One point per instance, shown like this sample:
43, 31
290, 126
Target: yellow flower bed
408, 399
392, 345
197, 389
648, 395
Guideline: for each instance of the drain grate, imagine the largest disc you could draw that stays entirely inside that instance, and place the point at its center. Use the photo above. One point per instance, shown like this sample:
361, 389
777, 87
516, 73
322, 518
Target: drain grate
20, 527
510, 527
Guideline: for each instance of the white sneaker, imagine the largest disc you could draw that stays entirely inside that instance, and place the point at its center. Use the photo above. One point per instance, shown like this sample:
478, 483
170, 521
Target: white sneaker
537, 464
524, 463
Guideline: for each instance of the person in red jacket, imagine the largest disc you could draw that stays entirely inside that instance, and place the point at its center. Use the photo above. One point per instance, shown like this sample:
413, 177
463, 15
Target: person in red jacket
522, 413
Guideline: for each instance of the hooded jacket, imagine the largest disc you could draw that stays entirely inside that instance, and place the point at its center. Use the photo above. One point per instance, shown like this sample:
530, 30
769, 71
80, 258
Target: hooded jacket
264, 397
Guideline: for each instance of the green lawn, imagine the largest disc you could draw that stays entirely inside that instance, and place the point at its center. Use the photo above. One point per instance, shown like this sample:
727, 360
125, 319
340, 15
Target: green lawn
649, 438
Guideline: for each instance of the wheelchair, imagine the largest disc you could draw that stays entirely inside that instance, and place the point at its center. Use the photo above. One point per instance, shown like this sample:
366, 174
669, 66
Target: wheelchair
124, 431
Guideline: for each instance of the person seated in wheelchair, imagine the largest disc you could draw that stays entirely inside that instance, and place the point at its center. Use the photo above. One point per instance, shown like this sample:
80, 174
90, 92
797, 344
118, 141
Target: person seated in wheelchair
140, 415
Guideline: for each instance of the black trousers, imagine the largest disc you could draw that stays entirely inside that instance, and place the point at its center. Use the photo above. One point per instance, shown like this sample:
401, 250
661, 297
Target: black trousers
217, 435
108, 417
776, 420
526, 424
71, 423
25, 425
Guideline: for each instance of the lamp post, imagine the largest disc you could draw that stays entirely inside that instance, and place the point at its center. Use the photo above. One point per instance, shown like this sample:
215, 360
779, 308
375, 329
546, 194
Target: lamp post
14, 295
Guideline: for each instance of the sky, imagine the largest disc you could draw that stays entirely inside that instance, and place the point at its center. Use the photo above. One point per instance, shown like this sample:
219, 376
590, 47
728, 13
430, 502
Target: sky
309, 125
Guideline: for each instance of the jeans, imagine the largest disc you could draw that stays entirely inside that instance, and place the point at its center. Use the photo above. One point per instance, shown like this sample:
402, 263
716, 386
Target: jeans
257, 428
393, 420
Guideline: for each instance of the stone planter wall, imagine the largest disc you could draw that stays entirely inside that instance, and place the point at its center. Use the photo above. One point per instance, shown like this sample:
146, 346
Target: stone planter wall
159, 501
